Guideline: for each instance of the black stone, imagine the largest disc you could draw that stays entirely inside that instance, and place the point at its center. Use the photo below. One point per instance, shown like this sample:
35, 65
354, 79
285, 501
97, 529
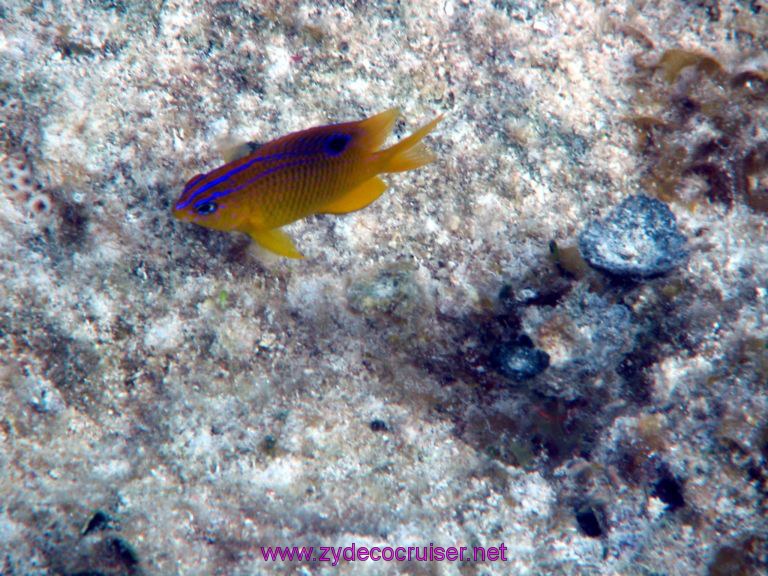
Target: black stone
638, 239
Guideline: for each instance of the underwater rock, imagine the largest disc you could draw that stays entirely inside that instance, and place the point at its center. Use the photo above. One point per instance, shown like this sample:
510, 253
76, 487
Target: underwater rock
519, 360
601, 331
393, 291
638, 239
587, 334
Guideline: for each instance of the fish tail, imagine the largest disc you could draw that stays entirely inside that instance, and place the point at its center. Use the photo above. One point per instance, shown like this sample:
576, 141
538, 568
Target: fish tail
410, 152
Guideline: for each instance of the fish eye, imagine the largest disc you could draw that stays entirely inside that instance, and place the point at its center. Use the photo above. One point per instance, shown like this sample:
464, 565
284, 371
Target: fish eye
207, 208
336, 144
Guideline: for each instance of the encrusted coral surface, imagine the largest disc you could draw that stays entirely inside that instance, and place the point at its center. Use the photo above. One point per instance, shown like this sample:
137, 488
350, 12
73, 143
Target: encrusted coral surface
172, 400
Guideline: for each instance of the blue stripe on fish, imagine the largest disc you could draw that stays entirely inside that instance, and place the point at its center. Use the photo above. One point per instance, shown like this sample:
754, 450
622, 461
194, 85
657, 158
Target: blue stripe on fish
227, 175
222, 193
220, 180
194, 181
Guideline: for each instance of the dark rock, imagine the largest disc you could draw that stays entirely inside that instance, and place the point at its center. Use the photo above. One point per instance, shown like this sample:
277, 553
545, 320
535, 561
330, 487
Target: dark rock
638, 239
378, 425
519, 360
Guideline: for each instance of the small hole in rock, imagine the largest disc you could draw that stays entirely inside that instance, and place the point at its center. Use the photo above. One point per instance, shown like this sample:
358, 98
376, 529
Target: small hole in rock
588, 522
670, 491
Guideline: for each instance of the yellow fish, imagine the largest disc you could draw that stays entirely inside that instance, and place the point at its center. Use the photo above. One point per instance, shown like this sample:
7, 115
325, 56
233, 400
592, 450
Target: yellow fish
325, 170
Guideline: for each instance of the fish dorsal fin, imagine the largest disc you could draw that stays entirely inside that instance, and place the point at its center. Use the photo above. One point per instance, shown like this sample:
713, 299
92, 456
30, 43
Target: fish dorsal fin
374, 130
357, 198
274, 240
237, 151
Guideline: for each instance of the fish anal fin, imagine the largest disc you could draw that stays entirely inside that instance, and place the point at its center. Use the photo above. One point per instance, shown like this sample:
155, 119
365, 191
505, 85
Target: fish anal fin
275, 241
357, 198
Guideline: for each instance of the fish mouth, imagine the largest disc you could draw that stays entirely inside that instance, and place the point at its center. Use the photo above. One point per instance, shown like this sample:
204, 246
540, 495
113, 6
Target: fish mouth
181, 215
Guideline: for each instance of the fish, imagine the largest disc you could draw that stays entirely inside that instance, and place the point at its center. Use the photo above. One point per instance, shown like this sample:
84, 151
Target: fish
331, 169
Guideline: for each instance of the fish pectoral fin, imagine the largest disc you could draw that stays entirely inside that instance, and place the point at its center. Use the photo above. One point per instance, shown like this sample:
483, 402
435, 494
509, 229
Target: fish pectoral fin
276, 241
357, 198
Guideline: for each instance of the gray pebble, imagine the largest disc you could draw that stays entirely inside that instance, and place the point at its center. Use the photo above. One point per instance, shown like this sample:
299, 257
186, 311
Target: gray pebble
638, 239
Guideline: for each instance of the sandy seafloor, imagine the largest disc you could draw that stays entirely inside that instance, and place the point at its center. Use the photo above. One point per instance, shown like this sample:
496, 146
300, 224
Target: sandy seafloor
172, 399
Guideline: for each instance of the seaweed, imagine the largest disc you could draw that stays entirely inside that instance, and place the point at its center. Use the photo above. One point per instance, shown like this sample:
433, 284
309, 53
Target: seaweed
700, 140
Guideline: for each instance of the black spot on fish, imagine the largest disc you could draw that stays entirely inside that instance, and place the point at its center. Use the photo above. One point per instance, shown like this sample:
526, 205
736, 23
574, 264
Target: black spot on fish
336, 144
